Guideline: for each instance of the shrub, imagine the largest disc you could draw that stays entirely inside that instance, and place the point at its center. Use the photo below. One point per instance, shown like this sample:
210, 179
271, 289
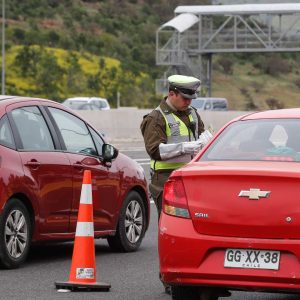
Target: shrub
273, 65
249, 102
297, 83
274, 103
226, 64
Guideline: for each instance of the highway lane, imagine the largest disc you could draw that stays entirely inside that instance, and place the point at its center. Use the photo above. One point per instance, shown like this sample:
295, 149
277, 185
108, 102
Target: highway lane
133, 276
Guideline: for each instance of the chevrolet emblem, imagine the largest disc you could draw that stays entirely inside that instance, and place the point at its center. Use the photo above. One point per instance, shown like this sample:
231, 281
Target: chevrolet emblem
255, 194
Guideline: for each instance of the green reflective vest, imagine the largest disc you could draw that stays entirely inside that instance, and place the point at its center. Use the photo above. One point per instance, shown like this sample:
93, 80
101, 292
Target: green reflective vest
177, 132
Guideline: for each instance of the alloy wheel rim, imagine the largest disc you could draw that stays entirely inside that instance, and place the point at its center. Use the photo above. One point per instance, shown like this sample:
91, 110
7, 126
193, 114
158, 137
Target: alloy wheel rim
133, 221
16, 233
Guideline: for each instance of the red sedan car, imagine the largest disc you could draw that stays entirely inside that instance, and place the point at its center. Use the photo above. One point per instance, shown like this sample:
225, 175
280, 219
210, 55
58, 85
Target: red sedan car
231, 217
44, 149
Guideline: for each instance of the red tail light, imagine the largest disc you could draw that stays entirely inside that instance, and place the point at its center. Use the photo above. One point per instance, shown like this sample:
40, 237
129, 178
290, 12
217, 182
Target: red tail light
174, 199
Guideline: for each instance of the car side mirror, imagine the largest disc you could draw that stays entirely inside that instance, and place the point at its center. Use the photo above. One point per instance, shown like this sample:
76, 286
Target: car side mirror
109, 152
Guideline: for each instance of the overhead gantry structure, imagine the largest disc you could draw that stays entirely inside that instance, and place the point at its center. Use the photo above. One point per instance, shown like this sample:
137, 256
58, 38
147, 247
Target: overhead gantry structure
187, 42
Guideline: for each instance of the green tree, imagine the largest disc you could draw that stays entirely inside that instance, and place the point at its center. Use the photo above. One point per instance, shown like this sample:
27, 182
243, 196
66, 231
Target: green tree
49, 76
75, 78
27, 59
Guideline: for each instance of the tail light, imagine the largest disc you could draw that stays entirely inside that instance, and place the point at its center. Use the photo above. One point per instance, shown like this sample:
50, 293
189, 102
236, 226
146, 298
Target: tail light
174, 199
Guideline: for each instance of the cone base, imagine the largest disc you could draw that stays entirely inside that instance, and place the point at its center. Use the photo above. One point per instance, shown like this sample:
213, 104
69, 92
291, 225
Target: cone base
73, 286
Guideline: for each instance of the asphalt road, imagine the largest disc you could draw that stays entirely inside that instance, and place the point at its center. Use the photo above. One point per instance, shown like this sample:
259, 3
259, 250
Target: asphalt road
132, 276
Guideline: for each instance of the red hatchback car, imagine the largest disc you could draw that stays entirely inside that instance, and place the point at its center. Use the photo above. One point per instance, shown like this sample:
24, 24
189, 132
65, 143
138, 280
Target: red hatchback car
231, 217
44, 149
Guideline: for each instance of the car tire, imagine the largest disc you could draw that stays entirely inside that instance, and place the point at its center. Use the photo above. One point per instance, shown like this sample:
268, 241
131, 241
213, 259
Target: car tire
15, 234
131, 225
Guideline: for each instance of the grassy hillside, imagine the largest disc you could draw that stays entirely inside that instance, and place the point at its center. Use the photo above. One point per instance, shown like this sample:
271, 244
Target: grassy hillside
62, 48
57, 74
261, 82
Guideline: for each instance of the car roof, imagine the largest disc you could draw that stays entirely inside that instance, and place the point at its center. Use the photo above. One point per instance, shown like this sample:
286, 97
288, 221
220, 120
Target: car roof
289, 113
88, 99
8, 100
13, 99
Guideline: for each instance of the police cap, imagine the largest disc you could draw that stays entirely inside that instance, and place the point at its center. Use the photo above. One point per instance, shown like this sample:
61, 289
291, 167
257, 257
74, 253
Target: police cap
187, 86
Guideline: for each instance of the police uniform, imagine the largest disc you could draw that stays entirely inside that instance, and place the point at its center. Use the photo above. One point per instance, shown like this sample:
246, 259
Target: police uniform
167, 132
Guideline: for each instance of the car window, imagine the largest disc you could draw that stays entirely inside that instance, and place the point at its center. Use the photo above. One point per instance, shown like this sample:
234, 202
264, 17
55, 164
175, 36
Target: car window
32, 128
74, 132
85, 106
6, 138
75, 104
276, 140
210, 103
219, 105
207, 105
98, 104
198, 103
97, 139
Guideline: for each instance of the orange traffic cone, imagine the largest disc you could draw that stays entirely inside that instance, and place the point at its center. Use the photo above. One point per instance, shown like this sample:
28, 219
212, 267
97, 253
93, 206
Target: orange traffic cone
83, 268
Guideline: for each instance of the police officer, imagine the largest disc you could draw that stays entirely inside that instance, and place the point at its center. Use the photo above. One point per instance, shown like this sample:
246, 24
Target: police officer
171, 133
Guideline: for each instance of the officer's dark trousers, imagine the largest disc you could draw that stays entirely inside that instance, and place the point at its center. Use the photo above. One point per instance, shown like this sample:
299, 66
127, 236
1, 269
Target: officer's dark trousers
156, 187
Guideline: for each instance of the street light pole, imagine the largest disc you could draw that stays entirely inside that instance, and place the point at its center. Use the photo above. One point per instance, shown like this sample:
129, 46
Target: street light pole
3, 49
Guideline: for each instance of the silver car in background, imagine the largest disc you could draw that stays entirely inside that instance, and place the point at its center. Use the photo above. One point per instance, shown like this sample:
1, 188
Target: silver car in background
87, 103
205, 103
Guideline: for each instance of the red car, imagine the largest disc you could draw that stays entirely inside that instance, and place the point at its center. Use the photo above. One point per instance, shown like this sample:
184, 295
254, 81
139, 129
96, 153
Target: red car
44, 149
231, 217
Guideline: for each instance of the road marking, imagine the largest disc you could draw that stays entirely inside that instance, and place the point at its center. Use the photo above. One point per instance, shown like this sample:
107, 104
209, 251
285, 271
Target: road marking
132, 149
143, 161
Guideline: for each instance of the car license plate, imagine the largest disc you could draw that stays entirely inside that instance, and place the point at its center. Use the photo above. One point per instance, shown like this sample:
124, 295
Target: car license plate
252, 259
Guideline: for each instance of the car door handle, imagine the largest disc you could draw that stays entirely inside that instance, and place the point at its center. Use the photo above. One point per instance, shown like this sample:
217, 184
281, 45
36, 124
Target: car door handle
33, 164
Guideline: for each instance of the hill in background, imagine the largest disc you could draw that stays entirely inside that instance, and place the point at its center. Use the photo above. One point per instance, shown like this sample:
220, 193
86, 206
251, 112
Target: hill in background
62, 48
258, 81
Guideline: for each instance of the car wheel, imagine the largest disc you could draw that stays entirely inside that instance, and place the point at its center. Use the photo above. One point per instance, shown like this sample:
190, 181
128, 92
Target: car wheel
131, 225
15, 234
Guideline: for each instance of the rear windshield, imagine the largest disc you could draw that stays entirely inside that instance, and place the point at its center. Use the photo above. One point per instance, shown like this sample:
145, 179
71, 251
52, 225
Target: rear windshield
272, 140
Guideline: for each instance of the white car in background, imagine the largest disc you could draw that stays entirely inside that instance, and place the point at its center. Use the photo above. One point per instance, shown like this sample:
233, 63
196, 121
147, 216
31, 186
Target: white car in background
87, 103
207, 103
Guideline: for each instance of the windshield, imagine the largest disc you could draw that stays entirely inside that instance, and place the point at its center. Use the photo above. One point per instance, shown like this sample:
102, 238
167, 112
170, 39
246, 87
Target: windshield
219, 105
86, 105
274, 140
197, 103
99, 104
75, 104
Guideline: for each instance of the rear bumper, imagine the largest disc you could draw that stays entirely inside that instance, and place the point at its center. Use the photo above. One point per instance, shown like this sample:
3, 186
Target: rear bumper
189, 258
